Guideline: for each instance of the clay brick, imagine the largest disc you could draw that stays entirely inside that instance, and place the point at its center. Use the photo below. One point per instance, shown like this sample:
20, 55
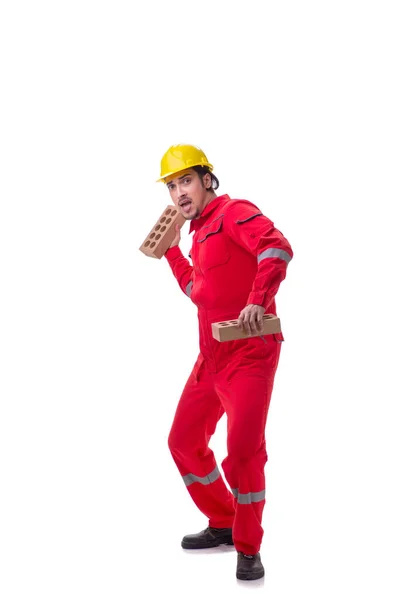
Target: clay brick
160, 237
226, 331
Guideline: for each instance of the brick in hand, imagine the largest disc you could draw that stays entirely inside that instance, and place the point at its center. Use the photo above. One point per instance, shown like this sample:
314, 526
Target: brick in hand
160, 237
227, 331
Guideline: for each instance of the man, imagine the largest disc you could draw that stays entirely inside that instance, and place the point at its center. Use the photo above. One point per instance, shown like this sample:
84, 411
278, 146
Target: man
239, 260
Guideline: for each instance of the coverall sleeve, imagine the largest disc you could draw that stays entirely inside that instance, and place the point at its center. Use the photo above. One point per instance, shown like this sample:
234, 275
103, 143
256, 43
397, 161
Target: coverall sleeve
249, 228
181, 268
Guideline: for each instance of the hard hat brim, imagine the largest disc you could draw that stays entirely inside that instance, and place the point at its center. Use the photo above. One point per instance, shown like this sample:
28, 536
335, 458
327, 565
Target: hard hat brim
166, 175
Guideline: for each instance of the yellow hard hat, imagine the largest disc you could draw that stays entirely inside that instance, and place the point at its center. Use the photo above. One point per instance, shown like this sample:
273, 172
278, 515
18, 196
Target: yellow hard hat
180, 157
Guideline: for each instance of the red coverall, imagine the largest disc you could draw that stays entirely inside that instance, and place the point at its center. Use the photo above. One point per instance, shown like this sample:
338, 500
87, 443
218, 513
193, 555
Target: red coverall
238, 258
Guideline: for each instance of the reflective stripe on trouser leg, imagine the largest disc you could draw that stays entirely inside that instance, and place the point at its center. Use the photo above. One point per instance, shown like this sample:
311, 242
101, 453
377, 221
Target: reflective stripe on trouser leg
198, 411
248, 498
210, 478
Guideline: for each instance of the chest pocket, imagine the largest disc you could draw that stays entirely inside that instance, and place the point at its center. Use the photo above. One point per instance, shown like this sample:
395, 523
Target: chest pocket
212, 246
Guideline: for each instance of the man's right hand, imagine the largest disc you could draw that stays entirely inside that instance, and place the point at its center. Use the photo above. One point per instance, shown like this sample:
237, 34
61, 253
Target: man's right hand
177, 238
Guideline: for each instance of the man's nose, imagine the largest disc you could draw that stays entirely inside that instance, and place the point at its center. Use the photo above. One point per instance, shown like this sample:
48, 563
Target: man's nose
181, 192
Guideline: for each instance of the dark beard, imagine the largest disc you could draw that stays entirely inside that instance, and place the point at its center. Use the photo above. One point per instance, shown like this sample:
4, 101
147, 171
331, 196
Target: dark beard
195, 216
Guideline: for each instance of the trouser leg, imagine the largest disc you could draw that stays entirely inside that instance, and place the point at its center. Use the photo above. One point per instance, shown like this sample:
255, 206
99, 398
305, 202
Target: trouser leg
246, 398
197, 414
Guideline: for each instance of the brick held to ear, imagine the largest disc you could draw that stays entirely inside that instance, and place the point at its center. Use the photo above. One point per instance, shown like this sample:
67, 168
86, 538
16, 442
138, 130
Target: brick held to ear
160, 237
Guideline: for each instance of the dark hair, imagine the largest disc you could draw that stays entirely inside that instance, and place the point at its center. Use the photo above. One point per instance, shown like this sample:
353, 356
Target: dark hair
203, 171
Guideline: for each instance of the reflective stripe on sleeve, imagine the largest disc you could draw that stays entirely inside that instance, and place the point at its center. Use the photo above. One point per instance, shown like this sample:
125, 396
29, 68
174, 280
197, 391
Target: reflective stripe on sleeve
274, 253
189, 288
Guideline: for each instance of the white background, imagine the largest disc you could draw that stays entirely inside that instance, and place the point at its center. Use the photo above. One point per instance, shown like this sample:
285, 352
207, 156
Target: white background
297, 106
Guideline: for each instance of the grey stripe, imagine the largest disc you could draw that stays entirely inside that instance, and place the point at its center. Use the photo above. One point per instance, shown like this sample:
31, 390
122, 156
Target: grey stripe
216, 219
209, 225
248, 498
210, 478
249, 218
189, 288
274, 253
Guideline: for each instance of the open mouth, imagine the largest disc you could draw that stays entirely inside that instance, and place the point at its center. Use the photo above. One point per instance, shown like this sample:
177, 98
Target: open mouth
186, 206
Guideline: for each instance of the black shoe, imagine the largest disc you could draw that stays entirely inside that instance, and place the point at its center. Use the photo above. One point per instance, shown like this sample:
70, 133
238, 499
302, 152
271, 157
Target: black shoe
249, 566
208, 538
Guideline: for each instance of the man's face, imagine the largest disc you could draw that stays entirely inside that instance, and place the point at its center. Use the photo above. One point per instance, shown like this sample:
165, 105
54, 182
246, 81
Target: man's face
188, 193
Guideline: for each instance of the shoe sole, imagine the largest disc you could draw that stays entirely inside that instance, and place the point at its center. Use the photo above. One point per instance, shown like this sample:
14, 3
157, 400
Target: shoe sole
250, 576
189, 546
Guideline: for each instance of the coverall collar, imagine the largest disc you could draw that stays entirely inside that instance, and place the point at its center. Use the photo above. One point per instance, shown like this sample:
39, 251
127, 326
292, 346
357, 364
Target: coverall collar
195, 224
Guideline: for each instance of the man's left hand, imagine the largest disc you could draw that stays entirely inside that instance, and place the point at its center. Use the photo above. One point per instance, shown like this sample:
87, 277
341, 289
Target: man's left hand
251, 319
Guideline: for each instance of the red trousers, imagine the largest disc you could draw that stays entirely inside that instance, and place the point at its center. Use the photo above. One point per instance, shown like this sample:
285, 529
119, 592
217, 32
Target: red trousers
242, 389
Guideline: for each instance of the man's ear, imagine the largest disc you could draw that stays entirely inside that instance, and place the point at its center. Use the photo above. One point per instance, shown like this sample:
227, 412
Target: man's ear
207, 181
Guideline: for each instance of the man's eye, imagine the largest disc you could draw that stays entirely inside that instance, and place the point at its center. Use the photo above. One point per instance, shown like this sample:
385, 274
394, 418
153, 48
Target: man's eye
187, 180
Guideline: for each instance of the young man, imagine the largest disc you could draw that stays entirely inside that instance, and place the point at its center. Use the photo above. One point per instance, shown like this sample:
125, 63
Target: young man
239, 260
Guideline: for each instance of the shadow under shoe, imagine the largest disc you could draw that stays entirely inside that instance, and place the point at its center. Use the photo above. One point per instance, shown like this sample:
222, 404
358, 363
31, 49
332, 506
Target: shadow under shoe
249, 566
208, 538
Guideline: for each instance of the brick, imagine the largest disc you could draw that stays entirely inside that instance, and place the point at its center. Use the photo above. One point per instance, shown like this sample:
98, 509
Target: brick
227, 331
160, 237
